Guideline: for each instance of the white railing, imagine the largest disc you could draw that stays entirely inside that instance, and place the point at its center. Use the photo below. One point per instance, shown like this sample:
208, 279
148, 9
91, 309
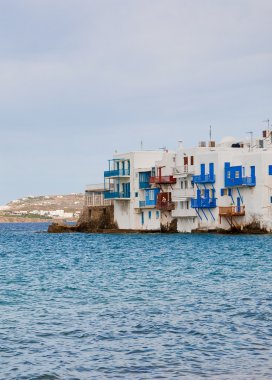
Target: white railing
96, 200
183, 170
183, 213
95, 187
179, 194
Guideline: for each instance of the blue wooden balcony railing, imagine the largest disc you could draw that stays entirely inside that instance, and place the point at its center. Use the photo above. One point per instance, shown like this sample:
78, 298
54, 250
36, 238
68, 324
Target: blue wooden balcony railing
117, 173
241, 181
144, 185
203, 203
116, 194
203, 178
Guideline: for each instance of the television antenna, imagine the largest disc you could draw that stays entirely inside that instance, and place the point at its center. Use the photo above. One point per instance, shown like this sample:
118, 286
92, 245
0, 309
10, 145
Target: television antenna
251, 140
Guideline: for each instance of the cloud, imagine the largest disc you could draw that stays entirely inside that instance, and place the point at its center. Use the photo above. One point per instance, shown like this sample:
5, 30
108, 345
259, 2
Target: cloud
111, 72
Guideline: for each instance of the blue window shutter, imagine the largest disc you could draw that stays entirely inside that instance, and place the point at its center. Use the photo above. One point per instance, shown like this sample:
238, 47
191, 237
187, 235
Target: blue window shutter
270, 169
211, 169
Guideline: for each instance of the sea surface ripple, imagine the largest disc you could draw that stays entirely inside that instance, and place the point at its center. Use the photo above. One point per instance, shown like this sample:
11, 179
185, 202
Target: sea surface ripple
87, 306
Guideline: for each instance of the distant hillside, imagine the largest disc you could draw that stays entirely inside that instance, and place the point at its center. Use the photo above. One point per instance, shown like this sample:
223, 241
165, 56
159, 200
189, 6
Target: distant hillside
44, 207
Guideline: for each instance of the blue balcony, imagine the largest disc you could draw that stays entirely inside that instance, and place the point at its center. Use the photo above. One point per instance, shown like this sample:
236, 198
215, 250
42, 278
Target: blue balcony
117, 173
203, 203
116, 195
242, 181
144, 185
249, 181
144, 180
203, 178
234, 176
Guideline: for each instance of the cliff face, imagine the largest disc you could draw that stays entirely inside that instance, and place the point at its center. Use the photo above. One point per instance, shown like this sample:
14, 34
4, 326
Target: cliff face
92, 219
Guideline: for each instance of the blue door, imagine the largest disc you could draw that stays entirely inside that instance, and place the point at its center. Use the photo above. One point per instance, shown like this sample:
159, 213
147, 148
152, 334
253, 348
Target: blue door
142, 217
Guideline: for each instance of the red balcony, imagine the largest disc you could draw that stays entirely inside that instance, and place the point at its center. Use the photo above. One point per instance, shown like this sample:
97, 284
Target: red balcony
164, 202
160, 180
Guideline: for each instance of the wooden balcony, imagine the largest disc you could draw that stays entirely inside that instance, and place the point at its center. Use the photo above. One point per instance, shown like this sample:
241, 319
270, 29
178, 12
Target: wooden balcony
164, 202
165, 206
232, 211
160, 180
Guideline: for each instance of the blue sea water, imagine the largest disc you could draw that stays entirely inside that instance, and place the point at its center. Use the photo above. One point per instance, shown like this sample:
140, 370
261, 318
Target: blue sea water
87, 306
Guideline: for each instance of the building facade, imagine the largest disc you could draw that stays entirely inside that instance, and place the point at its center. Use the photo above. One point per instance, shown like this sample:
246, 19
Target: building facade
209, 187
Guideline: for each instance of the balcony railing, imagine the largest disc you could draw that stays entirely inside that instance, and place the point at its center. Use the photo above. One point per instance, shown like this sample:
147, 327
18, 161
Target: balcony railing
165, 206
183, 213
179, 194
144, 204
207, 178
183, 170
249, 181
144, 185
232, 211
203, 203
241, 181
117, 173
116, 195
168, 179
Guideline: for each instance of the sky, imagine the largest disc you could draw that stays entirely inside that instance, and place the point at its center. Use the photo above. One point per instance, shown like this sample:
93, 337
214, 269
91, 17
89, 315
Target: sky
82, 79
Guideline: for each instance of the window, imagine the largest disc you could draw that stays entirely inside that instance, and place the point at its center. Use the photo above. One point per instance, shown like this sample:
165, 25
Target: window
149, 214
224, 192
157, 214
151, 195
192, 160
270, 169
237, 174
186, 184
181, 184
142, 218
228, 174
270, 199
187, 205
136, 195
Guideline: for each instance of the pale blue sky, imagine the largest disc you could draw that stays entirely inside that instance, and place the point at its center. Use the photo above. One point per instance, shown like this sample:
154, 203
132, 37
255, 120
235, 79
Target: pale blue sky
80, 79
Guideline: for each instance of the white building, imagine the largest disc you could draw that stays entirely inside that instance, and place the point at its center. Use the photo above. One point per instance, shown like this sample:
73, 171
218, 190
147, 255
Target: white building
209, 187
226, 185
94, 196
128, 183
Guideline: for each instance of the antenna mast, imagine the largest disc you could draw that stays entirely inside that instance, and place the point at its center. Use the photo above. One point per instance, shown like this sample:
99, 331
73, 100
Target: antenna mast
251, 141
268, 125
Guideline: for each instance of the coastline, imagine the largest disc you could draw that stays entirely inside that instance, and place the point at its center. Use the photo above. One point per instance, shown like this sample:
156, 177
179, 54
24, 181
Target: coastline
15, 219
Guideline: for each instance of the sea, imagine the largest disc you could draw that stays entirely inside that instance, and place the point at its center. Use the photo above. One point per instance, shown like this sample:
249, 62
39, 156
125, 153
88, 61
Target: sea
132, 306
